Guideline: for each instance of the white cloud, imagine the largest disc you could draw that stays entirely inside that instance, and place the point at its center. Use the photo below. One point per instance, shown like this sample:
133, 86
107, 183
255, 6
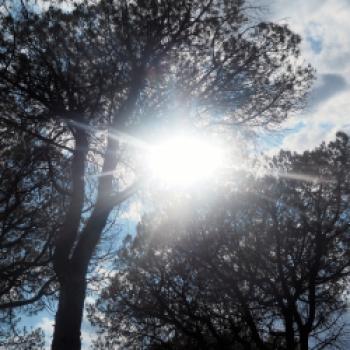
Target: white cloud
326, 21
87, 332
324, 27
46, 324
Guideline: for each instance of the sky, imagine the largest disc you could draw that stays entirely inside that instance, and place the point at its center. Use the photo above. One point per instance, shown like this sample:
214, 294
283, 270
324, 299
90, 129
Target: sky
324, 26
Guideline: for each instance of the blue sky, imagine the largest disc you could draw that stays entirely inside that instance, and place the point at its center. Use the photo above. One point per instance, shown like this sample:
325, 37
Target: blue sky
324, 26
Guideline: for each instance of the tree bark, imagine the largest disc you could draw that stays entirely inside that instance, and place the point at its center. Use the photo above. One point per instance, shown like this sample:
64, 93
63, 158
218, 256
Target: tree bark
304, 341
70, 313
73, 286
290, 340
72, 282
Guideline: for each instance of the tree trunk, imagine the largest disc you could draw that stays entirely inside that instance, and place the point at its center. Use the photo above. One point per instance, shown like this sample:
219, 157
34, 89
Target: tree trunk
69, 314
71, 270
73, 283
290, 339
304, 341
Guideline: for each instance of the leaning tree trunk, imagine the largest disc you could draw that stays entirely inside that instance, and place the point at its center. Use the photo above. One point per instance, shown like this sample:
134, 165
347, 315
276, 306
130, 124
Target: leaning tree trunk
73, 283
72, 268
73, 249
70, 313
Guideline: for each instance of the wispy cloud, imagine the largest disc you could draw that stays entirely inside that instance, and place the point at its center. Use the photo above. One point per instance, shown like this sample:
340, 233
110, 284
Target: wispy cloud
46, 324
324, 27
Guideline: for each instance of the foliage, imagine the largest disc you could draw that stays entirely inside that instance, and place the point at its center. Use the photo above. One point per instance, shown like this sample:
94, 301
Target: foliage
31, 205
23, 340
264, 267
71, 79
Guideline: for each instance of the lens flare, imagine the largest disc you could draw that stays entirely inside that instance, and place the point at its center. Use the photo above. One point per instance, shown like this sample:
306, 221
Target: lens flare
184, 161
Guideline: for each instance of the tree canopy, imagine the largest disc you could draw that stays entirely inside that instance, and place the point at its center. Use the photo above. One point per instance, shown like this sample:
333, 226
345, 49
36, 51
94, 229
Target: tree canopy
73, 80
264, 266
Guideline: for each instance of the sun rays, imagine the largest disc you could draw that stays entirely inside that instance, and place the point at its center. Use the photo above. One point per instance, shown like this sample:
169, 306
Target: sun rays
183, 161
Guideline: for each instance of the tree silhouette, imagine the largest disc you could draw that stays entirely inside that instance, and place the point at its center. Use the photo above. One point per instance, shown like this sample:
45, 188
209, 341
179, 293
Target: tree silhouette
31, 203
261, 268
67, 77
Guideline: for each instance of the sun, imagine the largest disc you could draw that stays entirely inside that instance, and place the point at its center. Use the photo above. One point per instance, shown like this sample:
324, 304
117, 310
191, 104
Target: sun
184, 161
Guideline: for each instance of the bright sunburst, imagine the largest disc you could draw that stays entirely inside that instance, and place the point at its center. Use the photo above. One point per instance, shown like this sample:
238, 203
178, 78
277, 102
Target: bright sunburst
184, 161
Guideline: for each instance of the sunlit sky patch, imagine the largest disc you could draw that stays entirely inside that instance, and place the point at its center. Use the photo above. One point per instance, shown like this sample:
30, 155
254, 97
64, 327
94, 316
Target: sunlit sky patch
184, 160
